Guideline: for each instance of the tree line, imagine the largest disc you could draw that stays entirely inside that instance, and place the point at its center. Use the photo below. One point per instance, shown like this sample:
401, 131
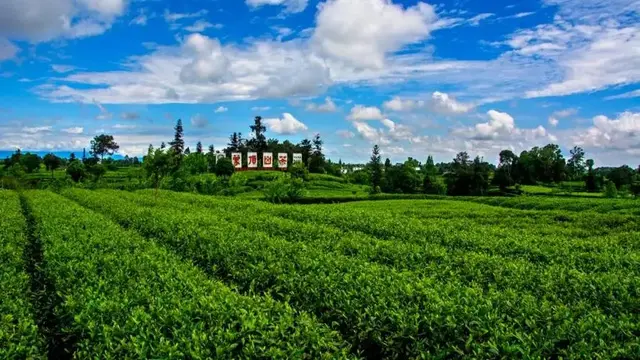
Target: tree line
464, 176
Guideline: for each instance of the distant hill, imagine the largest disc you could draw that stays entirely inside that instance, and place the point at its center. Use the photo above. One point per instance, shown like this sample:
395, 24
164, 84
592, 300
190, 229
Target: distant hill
63, 154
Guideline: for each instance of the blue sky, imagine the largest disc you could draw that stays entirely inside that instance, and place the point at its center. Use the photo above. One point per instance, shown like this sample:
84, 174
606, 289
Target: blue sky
417, 78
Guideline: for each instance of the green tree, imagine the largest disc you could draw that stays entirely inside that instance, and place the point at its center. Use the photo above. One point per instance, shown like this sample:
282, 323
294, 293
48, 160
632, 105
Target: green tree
52, 163
610, 190
467, 177
299, 171
102, 145
316, 162
430, 167
590, 180
306, 148
199, 148
211, 159
375, 168
504, 174
575, 165
157, 165
76, 170
31, 162
259, 141
224, 168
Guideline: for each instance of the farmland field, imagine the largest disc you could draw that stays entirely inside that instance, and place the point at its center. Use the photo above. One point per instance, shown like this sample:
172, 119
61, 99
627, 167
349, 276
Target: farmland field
158, 274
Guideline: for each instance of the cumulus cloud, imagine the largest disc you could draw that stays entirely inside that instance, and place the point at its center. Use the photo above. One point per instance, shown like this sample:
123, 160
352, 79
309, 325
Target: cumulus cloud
553, 121
360, 112
199, 121
36, 20
622, 133
438, 102
400, 105
286, 125
340, 34
292, 6
501, 126
201, 25
221, 109
445, 104
370, 133
327, 106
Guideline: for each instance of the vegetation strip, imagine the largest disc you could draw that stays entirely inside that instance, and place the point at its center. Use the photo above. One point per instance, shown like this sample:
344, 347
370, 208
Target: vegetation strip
19, 335
136, 300
44, 297
556, 282
382, 312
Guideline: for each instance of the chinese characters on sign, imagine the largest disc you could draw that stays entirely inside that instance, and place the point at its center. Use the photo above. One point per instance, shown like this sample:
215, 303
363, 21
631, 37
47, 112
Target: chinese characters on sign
252, 160
282, 160
236, 159
267, 160
297, 158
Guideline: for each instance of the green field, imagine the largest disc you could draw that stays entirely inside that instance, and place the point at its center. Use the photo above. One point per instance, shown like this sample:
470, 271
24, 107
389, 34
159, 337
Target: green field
176, 275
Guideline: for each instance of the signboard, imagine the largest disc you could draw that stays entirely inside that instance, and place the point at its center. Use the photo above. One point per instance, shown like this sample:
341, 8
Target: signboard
282, 160
236, 160
252, 160
297, 158
267, 160
219, 156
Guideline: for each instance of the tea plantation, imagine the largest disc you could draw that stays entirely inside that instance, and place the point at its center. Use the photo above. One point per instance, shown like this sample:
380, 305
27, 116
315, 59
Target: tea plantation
109, 274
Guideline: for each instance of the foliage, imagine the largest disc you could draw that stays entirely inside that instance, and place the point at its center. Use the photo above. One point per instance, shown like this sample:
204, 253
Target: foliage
431, 185
157, 165
31, 162
375, 168
576, 164
317, 160
102, 145
467, 177
299, 171
138, 300
284, 190
224, 168
610, 190
76, 170
410, 279
19, 336
401, 178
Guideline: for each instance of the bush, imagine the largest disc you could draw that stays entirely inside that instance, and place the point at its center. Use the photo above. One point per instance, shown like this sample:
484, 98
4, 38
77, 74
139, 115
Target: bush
284, 190
610, 190
224, 167
76, 171
299, 171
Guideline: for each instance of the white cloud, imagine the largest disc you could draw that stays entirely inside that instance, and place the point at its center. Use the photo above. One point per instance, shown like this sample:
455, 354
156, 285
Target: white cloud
523, 14
359, 113
611, 57
37, 129
341, 33
345, 134
501, 127
261, 108
327, 106
36, 20
400, 105
174, 17
209, 63
7, 49
475, 21
62, 68
292, 6
73, 130
445, 104
287, 125
370, 133
553, 121
221, 109
628, 95
565, 112
201, 25
124, 127
622, 133
199, 121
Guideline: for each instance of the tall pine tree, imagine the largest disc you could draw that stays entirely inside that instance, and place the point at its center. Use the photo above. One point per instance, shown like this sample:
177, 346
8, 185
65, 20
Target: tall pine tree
199, 148
177, 145
375, 166
259, 141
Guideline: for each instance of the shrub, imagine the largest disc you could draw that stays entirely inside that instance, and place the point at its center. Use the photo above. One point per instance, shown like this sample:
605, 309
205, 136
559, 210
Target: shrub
284, 190
610, 190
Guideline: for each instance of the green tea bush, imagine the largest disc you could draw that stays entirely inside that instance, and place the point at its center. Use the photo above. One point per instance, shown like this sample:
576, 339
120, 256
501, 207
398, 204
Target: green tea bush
19, 337
125, 297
